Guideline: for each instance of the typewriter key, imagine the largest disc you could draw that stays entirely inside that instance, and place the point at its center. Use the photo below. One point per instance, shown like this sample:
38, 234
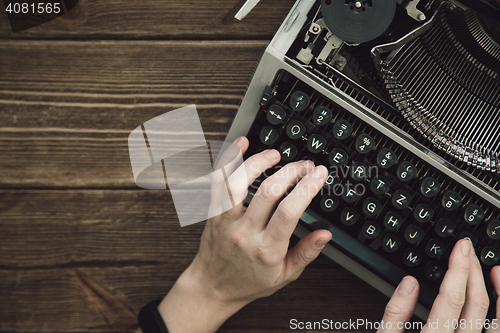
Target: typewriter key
445, 228
413, 234
321, 116
295, 129
390, 243
473, 214
493, 229
386, 158
288, 151
412, 257
299, 101
342, 129
451, 201
423, 213
275, 115
338, 157
268, 135
434, 248
430, 187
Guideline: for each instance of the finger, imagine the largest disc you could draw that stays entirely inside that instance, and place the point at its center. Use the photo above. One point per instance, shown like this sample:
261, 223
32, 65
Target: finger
221, 200
476, 300
230, 156
286, 216
304, 252
451, 298
272, 190
401, 306
495, 279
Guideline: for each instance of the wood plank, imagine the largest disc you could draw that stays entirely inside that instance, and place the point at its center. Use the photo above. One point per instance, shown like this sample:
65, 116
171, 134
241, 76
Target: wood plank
92, 258
107, 299
161, 20
67, 108
36, 297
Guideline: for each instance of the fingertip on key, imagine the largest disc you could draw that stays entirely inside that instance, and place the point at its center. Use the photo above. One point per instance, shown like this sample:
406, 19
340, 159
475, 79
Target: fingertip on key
319, 172
272, 154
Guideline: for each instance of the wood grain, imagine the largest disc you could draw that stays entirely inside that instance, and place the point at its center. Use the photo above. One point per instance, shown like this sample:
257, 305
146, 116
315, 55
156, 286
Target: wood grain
65, 115
156, 20
92, 258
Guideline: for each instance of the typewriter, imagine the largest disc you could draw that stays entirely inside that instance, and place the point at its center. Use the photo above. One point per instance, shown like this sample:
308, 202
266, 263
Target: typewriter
401, 101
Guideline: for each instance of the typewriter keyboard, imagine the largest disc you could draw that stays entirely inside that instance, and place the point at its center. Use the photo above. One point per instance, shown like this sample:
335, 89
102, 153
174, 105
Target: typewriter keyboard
389, 209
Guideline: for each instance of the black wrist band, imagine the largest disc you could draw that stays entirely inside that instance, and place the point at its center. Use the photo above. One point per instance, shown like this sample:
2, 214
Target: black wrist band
150, 319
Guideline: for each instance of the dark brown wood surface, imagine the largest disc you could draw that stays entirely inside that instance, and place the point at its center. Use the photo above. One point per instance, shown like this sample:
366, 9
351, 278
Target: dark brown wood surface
81, 247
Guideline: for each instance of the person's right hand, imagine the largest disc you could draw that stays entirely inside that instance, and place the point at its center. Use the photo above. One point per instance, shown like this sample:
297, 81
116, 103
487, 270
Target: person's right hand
462, 297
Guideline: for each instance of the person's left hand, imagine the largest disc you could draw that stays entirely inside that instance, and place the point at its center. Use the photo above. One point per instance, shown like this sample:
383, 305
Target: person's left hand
243, 254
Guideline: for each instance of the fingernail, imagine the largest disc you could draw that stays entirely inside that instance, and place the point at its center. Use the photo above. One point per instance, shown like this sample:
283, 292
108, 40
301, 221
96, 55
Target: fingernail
320, 243
319, 172
272, 154
308, 164
498, 268
239, 142
407, 286
466, 248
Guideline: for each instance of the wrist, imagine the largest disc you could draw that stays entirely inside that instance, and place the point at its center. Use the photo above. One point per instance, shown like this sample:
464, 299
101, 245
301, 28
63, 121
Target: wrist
193, 306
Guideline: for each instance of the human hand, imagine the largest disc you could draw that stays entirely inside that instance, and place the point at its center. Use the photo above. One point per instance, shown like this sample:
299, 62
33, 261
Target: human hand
462, 296
243, 254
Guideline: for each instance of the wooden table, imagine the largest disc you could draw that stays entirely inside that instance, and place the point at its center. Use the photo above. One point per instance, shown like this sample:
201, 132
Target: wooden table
82, 249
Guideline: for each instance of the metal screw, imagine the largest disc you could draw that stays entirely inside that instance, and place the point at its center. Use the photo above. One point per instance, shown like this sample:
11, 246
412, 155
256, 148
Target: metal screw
421, 17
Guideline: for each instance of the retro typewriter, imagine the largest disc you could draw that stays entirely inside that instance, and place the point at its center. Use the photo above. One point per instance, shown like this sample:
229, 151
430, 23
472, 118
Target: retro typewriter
401, 101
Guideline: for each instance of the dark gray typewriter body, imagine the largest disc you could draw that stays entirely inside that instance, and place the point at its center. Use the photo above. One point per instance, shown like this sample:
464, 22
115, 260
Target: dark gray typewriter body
416, 96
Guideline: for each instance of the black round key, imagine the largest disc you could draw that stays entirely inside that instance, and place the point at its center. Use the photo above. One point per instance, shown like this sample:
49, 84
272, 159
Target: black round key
349, 216
342, 129
268, 135
473, 214
489, 256
451, 201
445, 228
493, 229
434, 248
433, 271
371, 230
406, 171
338, 157
413, 234
350, 195
275, 115
390, 243
469, 236
380, 185
401, 199
321, 115
392, 220
359, 171
299, 101
412, 257
386, 158
329, 203
295, 129
430, 187
331, 181
316, 143
423, 213
371, 207
288, 151
364, 143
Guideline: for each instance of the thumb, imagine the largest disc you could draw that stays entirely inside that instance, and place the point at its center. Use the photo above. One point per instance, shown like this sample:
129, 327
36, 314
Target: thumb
401, 306
304, 252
